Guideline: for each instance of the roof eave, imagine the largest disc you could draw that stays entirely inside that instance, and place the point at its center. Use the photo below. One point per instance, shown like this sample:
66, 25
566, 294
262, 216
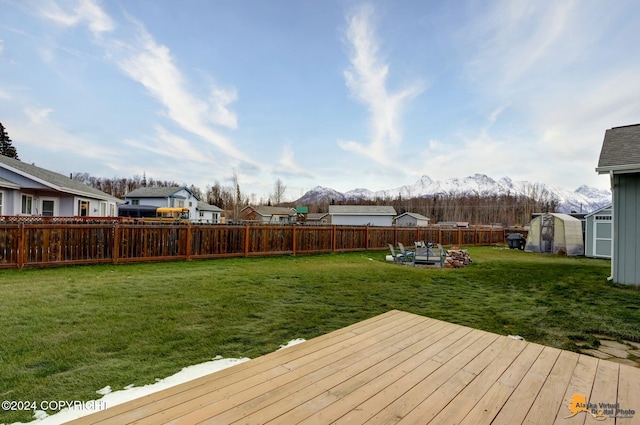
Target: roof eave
619, 169
106, 196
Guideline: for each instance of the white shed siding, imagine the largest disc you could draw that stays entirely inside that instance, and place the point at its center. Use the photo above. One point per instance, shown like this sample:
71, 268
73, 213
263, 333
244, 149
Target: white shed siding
599, 233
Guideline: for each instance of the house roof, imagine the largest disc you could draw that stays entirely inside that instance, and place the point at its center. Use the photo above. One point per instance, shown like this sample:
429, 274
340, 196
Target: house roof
414, 215
620, 150
316, 216
203, 206
51, 179
158, 192
266, 210
362, 210
599, 210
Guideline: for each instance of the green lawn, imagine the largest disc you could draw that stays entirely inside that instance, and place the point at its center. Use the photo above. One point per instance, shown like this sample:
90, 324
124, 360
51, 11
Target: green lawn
67, 332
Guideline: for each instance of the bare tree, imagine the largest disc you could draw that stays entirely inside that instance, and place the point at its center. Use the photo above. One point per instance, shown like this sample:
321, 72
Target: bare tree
278, 192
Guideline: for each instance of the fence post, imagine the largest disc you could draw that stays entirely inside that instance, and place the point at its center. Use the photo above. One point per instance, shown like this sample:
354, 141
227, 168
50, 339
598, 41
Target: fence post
115, 249
366, 237
187, 250
395, 235
246, 240
333, 238
21, 245
293, 242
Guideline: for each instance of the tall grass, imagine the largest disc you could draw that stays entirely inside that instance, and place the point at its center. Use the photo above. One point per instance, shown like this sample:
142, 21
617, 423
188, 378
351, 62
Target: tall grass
66, 332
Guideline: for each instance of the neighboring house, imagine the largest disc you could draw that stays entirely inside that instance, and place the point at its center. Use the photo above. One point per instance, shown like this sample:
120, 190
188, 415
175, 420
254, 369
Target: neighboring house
318, 218
207, 213
620, 159
29, 190
410, 219
362, 215
172, 197
599, 233
268, 215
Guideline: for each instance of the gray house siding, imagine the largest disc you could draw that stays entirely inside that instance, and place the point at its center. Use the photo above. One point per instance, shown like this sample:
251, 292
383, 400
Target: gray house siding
626, 216
47, 193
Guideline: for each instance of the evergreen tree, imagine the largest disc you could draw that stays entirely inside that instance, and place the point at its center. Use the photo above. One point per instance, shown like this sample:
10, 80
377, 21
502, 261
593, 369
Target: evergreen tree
6, 148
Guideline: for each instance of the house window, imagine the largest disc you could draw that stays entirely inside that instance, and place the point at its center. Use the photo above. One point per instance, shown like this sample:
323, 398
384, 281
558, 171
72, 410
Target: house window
180, 204
83, 208
1, 203
112, 210
47, 208
103, 209
135, 202
27, 204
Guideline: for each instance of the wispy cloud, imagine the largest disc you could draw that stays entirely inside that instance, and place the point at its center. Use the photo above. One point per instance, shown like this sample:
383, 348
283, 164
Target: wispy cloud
168, 144
152, 65
39, 130
289, 166
513, 40
366, 79
77, 12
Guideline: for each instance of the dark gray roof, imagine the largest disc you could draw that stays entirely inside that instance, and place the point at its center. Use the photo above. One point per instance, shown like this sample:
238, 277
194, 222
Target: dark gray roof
362, 210
156, 192
56, 181
620, 149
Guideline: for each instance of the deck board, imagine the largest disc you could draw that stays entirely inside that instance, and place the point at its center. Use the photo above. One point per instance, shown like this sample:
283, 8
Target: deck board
397, 367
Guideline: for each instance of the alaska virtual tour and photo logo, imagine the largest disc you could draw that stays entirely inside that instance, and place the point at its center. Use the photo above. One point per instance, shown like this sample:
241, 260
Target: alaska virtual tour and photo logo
599, 411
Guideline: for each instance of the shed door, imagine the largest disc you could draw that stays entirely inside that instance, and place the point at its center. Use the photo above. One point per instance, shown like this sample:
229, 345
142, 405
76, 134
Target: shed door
546, 234
603, 230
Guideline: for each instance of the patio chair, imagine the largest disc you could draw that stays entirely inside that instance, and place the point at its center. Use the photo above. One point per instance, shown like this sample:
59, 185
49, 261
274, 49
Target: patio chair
408, 255
397, 257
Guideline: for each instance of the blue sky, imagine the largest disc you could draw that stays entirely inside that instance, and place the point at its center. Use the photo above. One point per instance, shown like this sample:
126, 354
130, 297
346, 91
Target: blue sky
341, 94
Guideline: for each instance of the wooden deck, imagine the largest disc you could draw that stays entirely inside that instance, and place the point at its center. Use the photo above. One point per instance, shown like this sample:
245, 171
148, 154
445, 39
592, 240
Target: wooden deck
397, 368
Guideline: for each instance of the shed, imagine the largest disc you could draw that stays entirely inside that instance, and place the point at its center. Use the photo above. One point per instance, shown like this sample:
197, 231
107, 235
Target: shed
410, 219
620, 159
599, 233
362, 215
554, 233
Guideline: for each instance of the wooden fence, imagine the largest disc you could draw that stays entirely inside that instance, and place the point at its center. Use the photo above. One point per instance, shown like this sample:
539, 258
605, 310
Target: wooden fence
24, 244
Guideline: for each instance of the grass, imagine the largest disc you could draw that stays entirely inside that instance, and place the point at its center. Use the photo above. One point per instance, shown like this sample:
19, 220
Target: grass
67, 332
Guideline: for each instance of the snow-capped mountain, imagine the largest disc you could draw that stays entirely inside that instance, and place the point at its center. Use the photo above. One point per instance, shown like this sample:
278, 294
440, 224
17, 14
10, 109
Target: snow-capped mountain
584, 199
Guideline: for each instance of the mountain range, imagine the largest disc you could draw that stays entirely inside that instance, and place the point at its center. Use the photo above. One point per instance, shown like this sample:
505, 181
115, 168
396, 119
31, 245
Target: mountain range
584, 199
